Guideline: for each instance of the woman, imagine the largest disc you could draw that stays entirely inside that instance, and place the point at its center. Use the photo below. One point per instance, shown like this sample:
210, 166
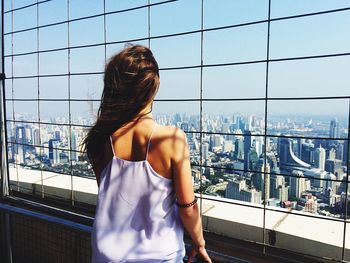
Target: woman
143, 171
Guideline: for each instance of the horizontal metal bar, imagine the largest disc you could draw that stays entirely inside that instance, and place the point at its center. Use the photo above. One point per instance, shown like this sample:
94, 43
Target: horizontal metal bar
53, 219
185, 32
26, 6
194, 99
84, 17
193, 66
49, 123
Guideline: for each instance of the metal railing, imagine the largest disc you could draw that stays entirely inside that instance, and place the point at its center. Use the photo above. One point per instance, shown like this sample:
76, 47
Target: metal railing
10, 99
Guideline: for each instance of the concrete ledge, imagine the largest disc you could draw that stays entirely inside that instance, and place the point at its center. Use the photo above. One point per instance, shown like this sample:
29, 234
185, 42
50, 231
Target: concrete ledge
316, 236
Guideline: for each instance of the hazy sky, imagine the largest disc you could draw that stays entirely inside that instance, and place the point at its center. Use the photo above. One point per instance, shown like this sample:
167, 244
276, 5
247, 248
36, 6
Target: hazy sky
315, 35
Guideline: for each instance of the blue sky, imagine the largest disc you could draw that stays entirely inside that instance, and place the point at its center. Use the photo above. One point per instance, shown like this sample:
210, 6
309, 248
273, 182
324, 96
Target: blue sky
315, 35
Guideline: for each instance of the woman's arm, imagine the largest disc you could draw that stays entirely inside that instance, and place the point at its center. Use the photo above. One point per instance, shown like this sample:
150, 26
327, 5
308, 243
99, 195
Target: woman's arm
182, 177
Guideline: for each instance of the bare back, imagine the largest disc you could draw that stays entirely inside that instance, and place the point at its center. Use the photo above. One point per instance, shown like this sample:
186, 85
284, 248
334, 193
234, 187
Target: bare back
131, 143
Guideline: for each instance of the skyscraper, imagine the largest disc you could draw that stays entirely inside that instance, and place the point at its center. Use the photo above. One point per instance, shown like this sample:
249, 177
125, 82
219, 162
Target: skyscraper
36, 136
21, 143
205, 151
238, 190
239, 148
262, 182
54, 156
278, 188
297, 184
320, 158
329, 185
334, 129
340, 151
74, 147
308, 152
247, 145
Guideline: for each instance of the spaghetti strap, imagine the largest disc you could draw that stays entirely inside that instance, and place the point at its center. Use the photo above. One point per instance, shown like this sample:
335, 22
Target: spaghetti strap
110, 138
149, 140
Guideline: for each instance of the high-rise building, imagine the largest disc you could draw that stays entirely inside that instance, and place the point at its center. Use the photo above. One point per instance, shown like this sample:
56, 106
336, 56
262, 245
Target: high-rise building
54, 155
278, 188
334, 129
239, 148
215, 142
205, 151
21, 146
329, 185
238, 190
262, 180
334, 166
247, 145
331, 154
308, 152
74, 147
320, 158
346, 153
57, 135
297, 184
340, 151
257, 144
36, 136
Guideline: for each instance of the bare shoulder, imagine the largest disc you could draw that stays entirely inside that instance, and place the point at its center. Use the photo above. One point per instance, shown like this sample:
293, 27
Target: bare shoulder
171, 134
173, 140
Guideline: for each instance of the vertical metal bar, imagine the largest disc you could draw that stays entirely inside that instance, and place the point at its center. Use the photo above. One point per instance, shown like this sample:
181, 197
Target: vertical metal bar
265, 128
149, 23
38, 97
4, 170
104, 30
3, 128
13, 92
346, 186
69, 104
201, 112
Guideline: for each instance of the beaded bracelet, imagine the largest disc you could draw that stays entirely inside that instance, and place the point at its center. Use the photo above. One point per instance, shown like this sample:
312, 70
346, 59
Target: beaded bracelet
188, 205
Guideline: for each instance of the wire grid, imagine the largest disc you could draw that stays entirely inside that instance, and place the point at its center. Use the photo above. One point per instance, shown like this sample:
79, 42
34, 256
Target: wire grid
68, 48
35, 240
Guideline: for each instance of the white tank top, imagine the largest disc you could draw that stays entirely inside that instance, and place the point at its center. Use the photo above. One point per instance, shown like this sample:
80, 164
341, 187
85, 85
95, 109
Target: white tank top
136, 218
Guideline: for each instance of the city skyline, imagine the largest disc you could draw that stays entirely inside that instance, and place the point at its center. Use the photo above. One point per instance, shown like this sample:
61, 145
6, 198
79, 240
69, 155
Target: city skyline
303, 174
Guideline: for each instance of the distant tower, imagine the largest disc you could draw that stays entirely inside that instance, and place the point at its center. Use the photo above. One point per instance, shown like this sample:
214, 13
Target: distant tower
21, 143
340, 151
36, 136
205, 151
320, 158
308, 152
297, 184
74, 147
239, 148
329, 185
57, 135
260, 182
334, 129
247, 145
53, 152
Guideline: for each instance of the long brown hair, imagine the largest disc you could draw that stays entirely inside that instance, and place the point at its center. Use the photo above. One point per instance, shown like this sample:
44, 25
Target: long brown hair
131, 81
